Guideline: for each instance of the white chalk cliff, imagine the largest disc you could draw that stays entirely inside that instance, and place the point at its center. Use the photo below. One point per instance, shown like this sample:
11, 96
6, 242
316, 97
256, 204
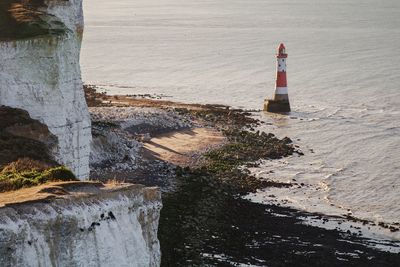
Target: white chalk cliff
113, 227
40, 73
71, 223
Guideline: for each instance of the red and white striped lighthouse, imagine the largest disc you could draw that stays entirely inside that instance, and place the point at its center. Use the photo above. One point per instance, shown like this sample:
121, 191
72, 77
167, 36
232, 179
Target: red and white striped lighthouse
280, 103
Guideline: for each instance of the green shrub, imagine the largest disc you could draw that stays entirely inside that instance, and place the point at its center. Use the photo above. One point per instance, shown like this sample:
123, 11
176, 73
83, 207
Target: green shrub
13, 180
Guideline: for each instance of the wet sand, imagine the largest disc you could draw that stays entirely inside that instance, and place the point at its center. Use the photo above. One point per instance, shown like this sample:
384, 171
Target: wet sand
183, 147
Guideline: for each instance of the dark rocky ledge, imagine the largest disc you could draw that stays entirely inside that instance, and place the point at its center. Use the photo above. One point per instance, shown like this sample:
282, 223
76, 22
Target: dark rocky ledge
24, 19
23, 137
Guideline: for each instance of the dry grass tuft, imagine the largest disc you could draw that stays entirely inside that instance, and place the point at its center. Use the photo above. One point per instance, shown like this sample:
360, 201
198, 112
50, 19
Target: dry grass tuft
26, 164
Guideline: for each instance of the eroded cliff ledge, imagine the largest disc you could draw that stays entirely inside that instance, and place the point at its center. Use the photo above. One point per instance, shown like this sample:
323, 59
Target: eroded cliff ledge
39, 72
84, 224
23, 137
21, 19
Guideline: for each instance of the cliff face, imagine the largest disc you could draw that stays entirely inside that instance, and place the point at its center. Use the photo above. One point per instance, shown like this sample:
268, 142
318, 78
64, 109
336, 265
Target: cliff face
21, 137
42, 100
115, 227
40, 72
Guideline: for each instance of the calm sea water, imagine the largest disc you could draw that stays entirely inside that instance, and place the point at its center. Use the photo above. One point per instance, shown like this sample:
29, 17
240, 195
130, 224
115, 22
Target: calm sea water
343, 75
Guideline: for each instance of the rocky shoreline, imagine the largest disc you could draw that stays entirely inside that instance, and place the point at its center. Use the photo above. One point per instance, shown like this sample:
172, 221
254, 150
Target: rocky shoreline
205, 220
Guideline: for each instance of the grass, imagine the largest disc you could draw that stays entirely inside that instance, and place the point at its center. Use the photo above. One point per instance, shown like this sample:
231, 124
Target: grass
27, 173
25, 158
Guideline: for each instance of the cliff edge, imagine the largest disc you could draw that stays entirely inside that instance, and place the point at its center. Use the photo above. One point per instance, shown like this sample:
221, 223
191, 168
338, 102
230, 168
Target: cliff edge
40, 44
80, 224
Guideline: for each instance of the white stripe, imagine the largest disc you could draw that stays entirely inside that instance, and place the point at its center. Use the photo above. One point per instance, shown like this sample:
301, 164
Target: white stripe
281, 91
281, 65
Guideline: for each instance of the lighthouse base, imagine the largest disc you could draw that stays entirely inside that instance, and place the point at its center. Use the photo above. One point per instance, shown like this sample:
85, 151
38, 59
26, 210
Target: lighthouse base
276, 106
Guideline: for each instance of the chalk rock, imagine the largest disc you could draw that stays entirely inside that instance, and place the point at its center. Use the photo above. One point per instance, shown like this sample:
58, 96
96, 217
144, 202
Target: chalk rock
40, 73
88, 226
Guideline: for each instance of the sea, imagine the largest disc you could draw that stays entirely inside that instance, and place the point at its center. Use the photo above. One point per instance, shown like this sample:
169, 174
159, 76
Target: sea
343, 76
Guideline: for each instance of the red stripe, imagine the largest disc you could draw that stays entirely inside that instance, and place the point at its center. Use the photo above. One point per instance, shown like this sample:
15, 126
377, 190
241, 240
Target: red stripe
281, 79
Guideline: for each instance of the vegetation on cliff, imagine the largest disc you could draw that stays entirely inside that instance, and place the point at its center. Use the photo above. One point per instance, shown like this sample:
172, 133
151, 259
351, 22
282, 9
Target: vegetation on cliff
25, 146
26, 173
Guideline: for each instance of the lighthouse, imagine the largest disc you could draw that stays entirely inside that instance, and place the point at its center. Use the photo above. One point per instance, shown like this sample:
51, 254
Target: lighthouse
280, 103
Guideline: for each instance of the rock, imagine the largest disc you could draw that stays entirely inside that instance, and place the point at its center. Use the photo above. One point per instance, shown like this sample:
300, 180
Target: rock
287, 140
40, 73
68, 232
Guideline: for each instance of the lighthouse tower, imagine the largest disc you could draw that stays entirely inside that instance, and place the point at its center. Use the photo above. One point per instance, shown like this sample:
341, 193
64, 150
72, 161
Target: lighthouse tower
280, 103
